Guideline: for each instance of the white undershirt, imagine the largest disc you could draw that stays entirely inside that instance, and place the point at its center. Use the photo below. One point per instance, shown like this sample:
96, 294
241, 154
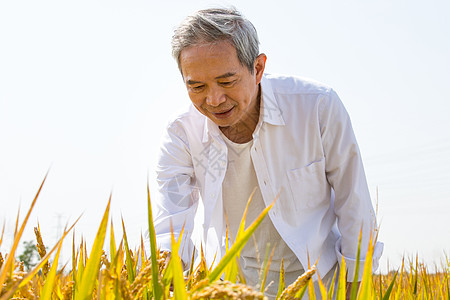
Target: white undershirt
240, 180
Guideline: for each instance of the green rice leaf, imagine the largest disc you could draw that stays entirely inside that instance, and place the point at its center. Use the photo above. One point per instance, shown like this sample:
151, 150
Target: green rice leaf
231, 270
301, 292
179, 287
80, 268
129, 261
116, 268
389, 289
191, 271
167, 279
333, 283
116, 263
354, 289
323, 290
244, 216
74, 259
282, 281
366, 288
238, 245
311, 290
266, 266
143, 257
157, 289
51, 277
112, 242
90, 273
342, 283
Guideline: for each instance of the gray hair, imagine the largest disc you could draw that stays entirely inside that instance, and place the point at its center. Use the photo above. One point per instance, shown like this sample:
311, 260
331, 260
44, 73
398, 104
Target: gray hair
216, 25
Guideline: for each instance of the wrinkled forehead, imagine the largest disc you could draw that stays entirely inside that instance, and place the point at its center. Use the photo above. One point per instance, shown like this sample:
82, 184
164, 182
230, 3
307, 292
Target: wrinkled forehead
209, 61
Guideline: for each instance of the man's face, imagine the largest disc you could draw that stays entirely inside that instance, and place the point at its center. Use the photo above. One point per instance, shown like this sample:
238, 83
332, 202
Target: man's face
219, 86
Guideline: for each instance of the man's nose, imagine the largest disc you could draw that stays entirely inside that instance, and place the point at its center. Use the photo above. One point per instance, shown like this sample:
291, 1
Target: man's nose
215, 97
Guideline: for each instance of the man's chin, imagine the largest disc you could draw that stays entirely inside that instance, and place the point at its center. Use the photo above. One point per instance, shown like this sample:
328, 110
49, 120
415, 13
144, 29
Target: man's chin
221, 122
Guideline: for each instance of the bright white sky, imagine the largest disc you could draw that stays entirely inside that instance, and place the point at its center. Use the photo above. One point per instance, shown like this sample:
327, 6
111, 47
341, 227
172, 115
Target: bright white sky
86, 88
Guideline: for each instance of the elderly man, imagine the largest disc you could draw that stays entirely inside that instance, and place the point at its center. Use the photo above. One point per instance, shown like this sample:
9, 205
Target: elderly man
245, 129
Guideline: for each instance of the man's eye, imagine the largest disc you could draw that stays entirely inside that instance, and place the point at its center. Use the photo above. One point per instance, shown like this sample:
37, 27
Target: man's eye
197, 87
227, 83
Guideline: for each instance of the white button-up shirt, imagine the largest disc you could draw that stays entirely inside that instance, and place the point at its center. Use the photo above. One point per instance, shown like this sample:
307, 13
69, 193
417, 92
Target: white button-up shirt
304, 150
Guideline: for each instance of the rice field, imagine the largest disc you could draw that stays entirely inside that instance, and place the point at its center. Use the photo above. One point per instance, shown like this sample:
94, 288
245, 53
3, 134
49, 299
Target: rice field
134, 274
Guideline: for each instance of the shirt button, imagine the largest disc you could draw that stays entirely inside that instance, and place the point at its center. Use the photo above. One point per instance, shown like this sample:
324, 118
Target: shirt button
265, 182
212, 195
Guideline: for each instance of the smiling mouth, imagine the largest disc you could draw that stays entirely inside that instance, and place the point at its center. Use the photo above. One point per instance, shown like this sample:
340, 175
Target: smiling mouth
223, 114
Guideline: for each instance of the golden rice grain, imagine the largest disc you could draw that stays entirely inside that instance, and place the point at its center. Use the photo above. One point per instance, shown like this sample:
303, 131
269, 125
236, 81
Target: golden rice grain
104, 260
139, 284
68, 290
163, 261
124, 286
227, 290
124, 273
12, 281
21, 267
27, 293
41, 250
290, 291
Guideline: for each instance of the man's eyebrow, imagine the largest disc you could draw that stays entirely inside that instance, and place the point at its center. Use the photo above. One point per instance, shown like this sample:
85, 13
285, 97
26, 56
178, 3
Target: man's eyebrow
226, 75
190, 82
229, 74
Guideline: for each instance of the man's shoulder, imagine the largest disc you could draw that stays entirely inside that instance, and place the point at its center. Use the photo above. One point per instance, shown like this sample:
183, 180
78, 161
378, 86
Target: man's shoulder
290, 84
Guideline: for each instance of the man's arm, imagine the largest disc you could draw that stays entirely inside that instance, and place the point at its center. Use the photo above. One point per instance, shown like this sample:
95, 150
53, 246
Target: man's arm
175, 204
345, 173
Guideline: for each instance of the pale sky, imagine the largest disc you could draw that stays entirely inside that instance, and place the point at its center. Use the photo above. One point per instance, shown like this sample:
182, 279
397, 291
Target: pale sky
86, 88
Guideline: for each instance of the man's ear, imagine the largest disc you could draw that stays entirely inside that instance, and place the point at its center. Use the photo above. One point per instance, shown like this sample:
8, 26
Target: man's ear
260, 65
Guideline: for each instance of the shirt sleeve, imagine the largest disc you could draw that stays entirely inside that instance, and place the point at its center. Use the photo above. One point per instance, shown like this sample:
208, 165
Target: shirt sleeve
345, 173
176, 201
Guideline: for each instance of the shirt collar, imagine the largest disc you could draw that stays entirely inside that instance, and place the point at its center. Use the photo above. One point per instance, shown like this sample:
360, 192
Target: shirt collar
270, 112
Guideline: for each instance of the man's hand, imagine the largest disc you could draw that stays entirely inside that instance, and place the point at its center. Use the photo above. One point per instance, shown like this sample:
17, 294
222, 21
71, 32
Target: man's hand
349, 289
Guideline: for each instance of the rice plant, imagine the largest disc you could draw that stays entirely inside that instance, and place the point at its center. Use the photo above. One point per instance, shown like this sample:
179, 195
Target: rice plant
135, 275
